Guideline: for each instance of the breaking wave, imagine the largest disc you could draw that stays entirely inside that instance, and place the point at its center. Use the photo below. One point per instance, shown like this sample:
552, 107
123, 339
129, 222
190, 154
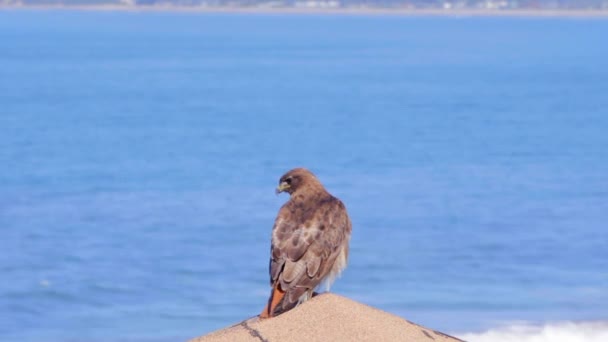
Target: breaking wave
551, 332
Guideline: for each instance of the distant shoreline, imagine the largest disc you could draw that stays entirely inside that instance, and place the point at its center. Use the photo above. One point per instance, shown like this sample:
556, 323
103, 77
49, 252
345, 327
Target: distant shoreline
328, 11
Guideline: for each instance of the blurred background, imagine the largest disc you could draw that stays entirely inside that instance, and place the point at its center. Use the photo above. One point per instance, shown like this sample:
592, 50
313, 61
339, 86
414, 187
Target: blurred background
140, 151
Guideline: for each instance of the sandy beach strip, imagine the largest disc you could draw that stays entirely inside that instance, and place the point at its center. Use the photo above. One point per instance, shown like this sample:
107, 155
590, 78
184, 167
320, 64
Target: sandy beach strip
355, 11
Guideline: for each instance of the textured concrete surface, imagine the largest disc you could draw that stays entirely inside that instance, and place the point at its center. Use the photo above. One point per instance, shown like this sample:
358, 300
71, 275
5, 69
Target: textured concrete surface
328, 317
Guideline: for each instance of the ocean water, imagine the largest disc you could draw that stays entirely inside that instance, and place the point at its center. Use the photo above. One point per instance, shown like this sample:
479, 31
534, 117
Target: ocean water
140, 152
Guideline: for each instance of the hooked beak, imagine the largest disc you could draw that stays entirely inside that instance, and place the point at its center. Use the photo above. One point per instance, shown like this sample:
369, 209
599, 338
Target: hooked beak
282, 187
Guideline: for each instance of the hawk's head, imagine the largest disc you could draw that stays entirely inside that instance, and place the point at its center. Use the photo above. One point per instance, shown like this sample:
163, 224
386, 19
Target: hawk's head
297, 179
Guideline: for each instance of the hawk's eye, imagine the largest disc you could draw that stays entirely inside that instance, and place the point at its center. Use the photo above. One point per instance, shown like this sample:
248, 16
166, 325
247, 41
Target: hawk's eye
288, 180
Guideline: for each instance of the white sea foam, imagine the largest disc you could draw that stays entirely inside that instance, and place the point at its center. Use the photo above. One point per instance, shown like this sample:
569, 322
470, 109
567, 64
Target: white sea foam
551, 332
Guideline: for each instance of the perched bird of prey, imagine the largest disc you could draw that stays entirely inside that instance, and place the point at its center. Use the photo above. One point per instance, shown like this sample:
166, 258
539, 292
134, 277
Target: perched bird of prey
309, 242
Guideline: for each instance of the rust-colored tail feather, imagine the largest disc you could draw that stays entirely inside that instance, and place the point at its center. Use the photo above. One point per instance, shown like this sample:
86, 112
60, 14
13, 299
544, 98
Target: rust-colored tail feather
274, 300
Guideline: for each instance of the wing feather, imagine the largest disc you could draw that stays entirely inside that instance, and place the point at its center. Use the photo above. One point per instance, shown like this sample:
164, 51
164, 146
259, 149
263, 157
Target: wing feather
312, 266
293, 270
306, 241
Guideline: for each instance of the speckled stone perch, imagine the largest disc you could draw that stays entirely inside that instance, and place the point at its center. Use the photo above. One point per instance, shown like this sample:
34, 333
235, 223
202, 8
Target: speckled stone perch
328, 317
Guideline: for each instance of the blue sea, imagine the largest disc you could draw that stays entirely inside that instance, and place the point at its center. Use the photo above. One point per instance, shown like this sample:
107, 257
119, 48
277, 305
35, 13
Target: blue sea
139, 154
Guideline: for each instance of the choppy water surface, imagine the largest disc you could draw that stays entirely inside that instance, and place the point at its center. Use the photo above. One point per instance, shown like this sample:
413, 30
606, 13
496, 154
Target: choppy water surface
140, 151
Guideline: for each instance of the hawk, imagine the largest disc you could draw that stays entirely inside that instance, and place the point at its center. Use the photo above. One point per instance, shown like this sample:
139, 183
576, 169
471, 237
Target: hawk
309, 242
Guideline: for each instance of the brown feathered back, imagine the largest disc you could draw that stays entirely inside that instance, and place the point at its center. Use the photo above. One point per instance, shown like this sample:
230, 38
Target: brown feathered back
309, 238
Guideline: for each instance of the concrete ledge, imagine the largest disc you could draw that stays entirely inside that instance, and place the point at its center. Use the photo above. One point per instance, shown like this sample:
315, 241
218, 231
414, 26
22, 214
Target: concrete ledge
328, 317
